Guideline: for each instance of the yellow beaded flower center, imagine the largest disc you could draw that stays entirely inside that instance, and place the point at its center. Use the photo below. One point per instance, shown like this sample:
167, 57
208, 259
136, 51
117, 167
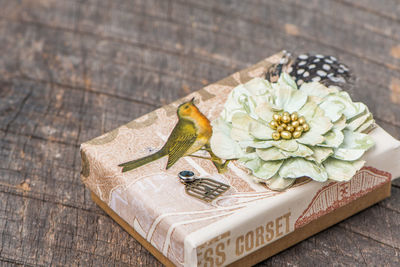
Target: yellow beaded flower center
288, 126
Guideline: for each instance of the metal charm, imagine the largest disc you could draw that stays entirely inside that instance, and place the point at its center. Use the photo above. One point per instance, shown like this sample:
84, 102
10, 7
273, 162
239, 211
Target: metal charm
202, 188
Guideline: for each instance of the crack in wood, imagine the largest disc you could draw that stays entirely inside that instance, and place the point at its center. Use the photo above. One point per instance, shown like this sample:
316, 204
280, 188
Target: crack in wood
19, 109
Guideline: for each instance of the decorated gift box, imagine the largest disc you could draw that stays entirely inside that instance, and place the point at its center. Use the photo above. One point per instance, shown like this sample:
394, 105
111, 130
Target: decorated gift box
245, 167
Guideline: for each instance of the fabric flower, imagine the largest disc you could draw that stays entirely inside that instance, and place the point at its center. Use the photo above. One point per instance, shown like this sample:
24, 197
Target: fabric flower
330, 145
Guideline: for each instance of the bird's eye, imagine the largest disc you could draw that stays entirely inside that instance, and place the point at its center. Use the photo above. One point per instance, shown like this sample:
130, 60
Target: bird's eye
186, 107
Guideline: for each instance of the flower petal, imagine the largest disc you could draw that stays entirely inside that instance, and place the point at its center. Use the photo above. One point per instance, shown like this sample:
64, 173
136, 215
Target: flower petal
321, 124
308, 109
247, 157
316, 89
312, 137
333, 106
287, 145
354, 145
361, 122
348, 154
296, 102
258, 86
240, 127
262, 169
281, 94
268, 169
358, 106
221, 144
358, 109
302, 151
278, 183
232, 104
320, 154
357, 140
289, 99
255, 143
356, 122
287, 80
340, 124
271, 153
367, 125
265, 111
239, 100
299, 167
241, 121
260, 131
333, 138
240, 135
340, 170
251, 160
274, 153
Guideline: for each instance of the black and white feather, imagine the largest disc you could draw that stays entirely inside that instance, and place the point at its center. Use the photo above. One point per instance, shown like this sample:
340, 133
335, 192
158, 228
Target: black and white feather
312, 68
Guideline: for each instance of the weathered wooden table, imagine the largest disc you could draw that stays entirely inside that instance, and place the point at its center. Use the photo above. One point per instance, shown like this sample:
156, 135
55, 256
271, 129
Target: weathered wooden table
71, 70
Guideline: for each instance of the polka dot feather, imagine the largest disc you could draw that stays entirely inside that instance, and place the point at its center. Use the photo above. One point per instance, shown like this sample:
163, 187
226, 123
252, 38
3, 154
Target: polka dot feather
312, 67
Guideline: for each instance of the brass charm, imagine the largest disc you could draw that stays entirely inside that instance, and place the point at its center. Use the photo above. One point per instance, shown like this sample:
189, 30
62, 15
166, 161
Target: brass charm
202, 188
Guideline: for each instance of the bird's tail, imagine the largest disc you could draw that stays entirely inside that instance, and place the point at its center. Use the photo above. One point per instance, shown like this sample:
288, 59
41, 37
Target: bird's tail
130, 165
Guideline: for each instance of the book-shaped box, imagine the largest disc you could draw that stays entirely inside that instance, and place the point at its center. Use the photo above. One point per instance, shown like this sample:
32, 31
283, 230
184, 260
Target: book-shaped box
245, 224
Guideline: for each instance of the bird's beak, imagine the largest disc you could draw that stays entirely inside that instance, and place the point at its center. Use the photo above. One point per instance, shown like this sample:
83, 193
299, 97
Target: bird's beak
192, 100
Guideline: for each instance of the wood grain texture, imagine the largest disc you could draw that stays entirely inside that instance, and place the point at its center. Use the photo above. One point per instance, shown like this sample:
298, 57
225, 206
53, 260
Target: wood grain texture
71, 70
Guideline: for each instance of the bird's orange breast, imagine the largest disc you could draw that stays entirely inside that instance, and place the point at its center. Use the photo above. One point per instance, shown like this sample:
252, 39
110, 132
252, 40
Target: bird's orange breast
203, 125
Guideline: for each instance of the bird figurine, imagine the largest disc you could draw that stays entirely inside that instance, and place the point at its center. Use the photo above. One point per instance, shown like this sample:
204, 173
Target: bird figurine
192, 133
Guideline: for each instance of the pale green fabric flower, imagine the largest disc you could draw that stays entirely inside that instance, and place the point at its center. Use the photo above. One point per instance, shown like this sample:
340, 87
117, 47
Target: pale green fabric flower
331, 149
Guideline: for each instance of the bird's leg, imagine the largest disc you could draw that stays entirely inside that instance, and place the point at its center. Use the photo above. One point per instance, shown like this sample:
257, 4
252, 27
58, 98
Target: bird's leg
201, 157
218, 162
221, 167
213, 156
208, 149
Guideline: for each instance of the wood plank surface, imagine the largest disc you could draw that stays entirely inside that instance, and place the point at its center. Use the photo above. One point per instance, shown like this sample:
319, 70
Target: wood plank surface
71, 70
